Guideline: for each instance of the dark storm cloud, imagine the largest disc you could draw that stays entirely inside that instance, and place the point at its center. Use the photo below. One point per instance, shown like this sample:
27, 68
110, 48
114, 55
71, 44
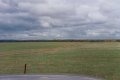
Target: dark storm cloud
59, 19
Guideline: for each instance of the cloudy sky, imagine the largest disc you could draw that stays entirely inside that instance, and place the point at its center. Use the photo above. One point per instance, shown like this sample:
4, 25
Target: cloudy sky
59, 19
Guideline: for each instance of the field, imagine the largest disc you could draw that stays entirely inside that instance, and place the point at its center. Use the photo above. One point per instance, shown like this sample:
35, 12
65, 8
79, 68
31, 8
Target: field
97, 59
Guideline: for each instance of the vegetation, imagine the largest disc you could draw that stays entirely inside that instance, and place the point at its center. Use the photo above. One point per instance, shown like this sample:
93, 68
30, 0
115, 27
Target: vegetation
82, 58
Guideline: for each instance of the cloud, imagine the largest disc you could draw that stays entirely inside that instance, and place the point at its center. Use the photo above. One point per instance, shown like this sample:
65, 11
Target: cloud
59, 19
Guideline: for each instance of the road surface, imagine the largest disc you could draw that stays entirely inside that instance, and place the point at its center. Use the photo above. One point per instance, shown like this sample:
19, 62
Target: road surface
44, 77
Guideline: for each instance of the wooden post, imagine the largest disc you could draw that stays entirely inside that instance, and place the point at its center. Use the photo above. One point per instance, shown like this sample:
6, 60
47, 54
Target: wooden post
25, 68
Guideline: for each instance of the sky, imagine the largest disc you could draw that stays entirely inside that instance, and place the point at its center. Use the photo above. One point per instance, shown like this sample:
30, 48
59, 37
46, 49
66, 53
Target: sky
59, 19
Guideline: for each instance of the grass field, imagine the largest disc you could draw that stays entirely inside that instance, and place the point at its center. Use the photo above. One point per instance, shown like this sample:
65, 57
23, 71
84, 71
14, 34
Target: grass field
98, 59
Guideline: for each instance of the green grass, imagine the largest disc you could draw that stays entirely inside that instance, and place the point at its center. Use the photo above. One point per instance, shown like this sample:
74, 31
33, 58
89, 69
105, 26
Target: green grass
97, 59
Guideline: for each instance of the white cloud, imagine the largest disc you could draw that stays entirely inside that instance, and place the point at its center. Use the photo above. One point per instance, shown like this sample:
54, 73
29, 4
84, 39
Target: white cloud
3, 5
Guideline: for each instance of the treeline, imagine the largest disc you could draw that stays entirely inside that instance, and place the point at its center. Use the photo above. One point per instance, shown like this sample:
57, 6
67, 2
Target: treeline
59, 40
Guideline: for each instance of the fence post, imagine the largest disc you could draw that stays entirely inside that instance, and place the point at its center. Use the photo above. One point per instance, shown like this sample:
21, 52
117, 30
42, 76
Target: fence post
25, 68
